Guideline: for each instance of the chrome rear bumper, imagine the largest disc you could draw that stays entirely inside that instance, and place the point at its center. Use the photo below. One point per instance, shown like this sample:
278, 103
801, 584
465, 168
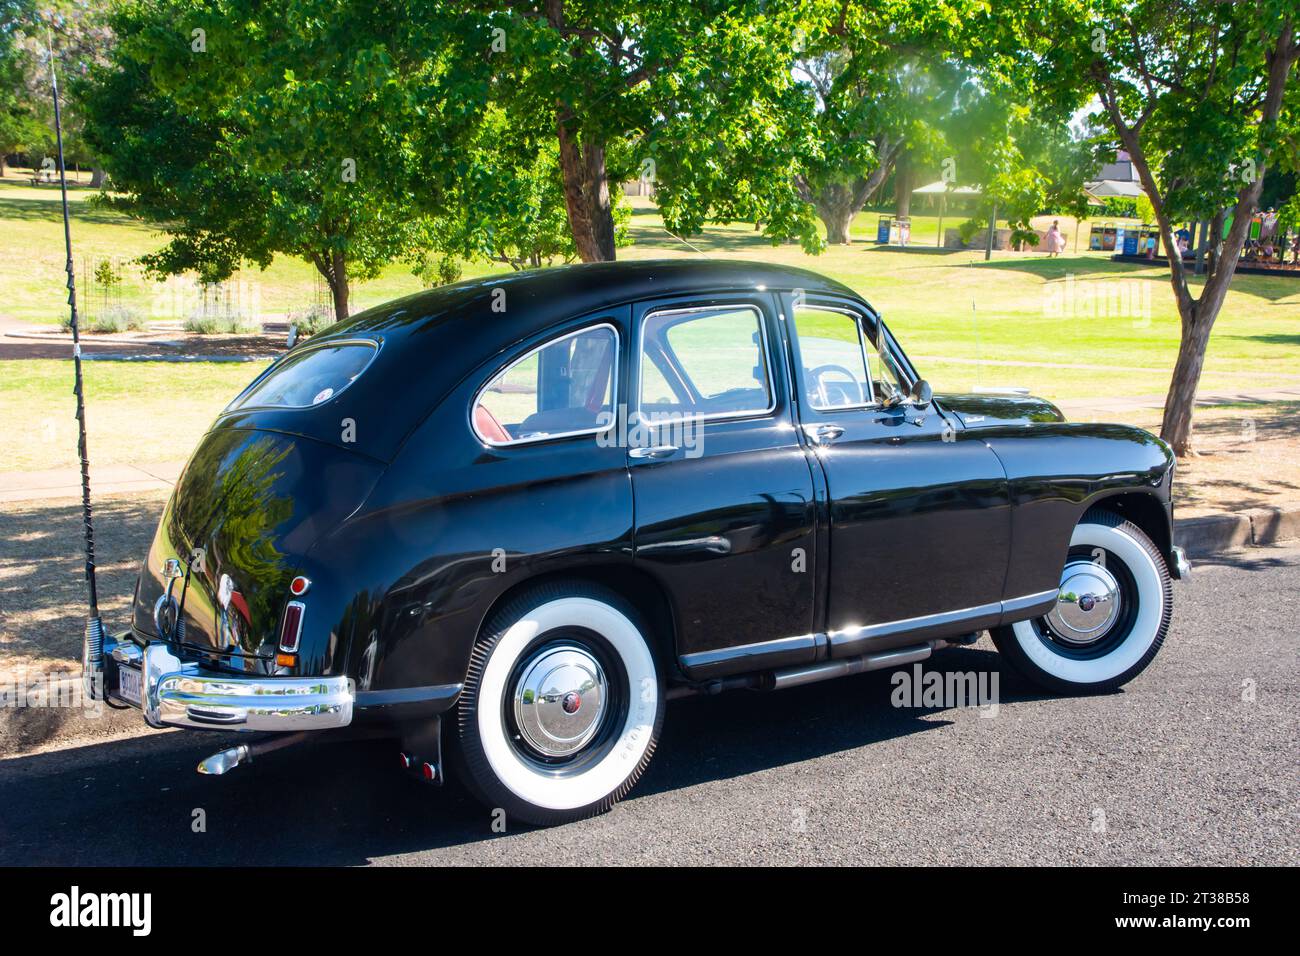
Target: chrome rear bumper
178, 693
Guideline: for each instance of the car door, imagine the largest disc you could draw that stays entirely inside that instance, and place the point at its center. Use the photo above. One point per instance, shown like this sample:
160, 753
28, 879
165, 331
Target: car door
919, 509
722, 488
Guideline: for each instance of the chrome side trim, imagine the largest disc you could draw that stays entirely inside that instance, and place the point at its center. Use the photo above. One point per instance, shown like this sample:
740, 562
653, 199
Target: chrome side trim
761, 655
1034, 603
852, 637
873, 640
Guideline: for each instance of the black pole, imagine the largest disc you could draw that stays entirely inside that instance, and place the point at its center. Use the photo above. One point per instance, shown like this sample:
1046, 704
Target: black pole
92, 649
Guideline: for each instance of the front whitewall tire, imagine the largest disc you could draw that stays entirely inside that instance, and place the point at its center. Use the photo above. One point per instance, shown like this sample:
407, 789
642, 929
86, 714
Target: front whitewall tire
1147, 586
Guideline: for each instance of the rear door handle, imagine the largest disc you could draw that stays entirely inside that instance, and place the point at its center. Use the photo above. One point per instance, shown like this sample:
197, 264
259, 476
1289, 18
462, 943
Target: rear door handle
823, 434
653, 451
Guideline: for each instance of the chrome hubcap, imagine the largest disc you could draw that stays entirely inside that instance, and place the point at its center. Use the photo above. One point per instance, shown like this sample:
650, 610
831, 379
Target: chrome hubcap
1088, 603
559, 699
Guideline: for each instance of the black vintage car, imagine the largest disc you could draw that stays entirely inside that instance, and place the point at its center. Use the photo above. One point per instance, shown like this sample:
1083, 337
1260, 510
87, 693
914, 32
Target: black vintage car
513, 517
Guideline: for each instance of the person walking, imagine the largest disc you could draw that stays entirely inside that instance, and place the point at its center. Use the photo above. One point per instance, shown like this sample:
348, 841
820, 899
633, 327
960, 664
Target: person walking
1055, 241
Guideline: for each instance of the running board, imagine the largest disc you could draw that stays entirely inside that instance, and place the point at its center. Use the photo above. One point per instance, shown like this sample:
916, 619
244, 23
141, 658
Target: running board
812, 673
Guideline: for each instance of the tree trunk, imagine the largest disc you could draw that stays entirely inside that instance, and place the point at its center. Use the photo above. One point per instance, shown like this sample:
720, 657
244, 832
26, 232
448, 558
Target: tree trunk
834, 205
1176, 426
1198, 315
1215, 249
339, 285
838, 203
837, 223
334, 267
3, 168
97, 177
903, 187
586, 195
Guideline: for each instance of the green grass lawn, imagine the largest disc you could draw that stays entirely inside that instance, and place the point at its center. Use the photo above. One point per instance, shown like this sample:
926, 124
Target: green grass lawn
962, 320
136, 412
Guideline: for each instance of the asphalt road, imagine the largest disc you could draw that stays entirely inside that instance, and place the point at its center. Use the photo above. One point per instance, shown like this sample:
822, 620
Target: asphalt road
1181, 767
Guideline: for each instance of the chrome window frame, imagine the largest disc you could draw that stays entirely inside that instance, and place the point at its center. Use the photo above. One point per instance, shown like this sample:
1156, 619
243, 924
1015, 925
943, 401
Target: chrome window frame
308, 347
764, 353
553, 436
856, 318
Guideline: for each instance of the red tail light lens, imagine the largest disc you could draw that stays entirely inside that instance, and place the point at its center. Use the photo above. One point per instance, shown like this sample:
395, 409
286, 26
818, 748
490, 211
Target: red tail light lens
291, 629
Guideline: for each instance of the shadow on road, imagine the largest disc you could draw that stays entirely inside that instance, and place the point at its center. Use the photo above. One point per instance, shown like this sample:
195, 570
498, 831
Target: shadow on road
134, 802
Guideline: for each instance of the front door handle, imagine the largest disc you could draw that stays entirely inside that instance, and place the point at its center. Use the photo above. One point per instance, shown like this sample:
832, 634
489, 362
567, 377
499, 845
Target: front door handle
652, 451
823, 434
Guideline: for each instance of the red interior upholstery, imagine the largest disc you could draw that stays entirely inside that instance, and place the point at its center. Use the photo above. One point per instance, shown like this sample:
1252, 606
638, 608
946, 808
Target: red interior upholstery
488, 426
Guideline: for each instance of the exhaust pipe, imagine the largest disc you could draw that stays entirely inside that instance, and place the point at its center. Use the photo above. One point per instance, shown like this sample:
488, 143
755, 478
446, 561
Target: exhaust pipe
812, 673
228, 760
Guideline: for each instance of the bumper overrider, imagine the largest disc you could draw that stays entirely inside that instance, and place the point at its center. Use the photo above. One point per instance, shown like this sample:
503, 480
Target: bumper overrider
172, 692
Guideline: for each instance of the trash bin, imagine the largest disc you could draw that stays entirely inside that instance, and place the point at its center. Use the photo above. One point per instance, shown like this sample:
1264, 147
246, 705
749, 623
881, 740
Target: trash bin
1132, 241
1110, 235
883, 228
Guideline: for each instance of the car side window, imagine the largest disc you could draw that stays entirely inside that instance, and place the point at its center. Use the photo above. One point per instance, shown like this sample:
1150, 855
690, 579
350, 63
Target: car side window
709, 362
832, 358
565, 387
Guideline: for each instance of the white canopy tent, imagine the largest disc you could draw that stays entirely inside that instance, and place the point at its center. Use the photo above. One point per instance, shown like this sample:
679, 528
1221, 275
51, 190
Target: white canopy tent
943, 189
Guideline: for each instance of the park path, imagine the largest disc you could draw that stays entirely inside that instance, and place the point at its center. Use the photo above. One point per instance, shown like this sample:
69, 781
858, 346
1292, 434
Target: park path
54, 483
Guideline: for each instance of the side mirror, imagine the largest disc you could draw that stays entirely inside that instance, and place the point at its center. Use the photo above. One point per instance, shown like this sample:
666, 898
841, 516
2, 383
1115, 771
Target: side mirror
921, 393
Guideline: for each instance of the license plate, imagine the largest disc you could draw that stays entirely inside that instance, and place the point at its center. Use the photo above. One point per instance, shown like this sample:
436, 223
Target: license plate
128, 685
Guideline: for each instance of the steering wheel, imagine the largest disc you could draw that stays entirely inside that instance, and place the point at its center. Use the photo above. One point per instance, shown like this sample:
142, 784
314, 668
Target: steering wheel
822, 390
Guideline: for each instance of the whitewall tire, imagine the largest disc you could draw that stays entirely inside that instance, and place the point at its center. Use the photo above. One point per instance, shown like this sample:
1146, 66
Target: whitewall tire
1114, 609
562, 704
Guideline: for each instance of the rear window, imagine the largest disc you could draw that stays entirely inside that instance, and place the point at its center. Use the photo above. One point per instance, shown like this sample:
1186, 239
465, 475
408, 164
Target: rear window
309, 377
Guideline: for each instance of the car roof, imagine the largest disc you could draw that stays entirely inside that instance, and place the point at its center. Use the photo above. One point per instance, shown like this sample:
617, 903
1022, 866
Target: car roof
580, 288
429, 341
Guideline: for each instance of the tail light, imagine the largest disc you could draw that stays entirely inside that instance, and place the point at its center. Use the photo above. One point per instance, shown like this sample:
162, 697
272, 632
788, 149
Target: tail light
291, 628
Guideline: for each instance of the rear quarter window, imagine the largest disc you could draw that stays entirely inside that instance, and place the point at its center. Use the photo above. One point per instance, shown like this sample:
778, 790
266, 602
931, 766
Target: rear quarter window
308, 377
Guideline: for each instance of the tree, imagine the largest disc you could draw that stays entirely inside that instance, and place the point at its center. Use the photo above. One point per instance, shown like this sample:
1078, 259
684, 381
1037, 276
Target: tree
20, 124
862, 124
509, 207
1198, 93
694, 94
247, 131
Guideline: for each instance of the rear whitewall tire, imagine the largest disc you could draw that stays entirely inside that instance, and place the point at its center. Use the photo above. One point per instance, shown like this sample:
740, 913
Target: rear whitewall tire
1028, 646
496, 757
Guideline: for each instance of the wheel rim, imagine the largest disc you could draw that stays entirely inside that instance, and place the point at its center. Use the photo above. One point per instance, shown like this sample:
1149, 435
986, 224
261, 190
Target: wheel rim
1088, 605
1096, 605
560, 700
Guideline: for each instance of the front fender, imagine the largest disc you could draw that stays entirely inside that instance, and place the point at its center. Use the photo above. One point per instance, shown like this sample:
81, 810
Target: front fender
1057, 471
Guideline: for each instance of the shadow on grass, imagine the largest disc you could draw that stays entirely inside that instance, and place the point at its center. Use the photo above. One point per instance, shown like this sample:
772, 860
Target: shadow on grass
42, 585
1269, 338
40, 210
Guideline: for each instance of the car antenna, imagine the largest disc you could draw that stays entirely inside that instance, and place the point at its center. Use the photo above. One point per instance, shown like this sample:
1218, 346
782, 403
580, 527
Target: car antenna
92, 649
